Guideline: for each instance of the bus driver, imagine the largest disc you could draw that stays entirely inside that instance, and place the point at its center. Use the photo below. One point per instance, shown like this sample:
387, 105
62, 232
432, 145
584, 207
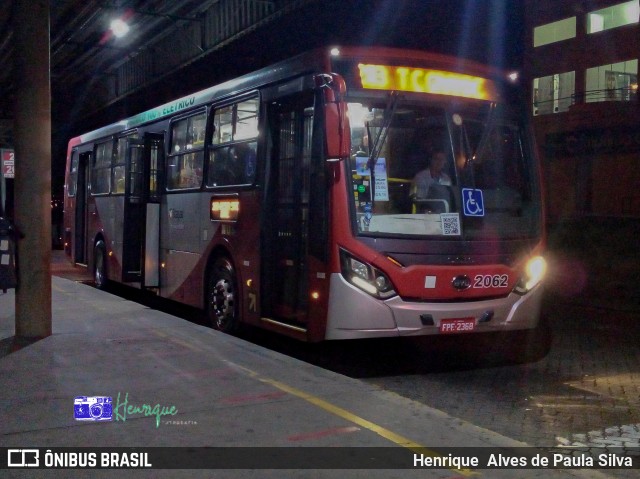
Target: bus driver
432, 174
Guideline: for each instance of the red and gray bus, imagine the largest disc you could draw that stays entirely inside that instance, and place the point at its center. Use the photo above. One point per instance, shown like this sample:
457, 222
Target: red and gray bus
284, 199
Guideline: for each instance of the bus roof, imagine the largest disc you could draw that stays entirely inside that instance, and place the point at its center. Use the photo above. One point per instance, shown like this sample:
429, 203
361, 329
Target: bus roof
298, 65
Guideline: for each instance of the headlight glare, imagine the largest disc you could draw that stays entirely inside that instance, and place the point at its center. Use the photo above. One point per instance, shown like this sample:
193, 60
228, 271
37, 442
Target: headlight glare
534, 271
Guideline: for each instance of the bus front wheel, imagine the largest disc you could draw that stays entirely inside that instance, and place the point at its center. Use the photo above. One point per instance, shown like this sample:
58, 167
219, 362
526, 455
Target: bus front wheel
100, 265
222, 297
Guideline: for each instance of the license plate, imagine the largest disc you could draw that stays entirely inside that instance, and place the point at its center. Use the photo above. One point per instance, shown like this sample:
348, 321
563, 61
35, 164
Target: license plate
458, 325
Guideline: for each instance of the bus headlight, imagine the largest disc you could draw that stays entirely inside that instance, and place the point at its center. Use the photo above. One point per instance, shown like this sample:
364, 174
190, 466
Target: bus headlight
534, 271
366, 277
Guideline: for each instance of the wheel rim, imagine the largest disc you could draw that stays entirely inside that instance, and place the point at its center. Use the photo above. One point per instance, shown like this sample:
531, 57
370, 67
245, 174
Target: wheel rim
222, 301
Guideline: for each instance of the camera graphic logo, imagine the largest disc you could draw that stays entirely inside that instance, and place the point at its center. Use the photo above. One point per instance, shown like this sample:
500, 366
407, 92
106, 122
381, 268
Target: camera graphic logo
92, 408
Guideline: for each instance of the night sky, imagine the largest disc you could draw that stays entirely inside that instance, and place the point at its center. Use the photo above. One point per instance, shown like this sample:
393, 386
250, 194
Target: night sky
483, 30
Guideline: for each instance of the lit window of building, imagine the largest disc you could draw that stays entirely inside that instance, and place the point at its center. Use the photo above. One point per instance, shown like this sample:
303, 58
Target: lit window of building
553, 93
613, 82
554, 32
626, 13
585, 119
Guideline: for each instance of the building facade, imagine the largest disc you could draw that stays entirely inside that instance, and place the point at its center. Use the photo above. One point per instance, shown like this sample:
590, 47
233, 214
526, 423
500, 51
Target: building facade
581, 66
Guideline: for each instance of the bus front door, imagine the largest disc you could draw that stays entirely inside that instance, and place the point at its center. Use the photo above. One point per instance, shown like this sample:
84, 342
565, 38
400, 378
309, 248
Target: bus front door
285, 225
141, 228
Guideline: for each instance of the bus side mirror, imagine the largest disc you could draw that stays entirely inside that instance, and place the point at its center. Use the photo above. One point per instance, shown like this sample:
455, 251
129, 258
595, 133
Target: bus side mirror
336, 122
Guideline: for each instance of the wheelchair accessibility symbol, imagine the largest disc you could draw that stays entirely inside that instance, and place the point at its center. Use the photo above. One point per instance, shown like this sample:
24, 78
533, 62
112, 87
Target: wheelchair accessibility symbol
472, 203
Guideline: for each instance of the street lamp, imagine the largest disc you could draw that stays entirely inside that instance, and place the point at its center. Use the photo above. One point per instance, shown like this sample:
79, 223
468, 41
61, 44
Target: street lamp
119, 27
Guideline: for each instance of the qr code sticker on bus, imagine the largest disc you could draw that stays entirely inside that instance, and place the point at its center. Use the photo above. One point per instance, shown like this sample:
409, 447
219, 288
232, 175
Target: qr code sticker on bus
450, 224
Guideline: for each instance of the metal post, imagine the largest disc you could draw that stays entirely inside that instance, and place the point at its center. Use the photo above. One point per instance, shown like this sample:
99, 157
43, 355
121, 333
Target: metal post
33, 169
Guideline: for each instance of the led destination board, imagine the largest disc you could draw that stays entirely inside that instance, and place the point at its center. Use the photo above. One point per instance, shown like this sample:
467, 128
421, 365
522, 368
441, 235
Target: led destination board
423, 80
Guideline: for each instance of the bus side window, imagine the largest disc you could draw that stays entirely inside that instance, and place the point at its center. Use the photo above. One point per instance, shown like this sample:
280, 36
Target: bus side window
118, 179
101, 171
232, 154
190, 170
117, 186
73, 174
186, 155
232, 165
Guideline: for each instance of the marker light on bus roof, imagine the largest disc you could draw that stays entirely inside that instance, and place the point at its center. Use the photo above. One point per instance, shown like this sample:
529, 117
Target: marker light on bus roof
423, 80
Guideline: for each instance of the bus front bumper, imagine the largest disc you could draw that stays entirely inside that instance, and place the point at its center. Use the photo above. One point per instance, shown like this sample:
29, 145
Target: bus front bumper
353, 314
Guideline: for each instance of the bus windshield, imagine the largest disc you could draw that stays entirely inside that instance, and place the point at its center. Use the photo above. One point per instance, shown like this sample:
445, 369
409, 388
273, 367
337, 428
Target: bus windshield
462, 171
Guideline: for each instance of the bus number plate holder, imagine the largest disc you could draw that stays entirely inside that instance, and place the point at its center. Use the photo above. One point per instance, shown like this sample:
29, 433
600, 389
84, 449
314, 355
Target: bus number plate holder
457, 325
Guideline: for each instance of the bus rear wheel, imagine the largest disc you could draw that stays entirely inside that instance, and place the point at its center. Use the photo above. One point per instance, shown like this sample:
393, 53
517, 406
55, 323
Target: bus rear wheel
222, 297
100, 265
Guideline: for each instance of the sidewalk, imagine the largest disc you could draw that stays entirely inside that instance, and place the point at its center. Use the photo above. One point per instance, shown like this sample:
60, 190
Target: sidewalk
225, 392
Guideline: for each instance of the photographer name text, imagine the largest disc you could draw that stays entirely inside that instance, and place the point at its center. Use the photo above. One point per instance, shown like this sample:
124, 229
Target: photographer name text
556, 460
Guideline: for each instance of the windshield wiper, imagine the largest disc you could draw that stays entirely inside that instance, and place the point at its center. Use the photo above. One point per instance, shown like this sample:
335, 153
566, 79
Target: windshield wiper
466, 173
392, 103
485, 133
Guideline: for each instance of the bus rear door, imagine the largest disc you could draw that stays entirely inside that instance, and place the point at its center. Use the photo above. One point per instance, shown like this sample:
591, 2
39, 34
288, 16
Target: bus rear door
82, 208
141, 229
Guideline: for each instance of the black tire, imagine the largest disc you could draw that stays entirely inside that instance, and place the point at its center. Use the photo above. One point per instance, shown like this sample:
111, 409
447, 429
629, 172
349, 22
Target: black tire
100, 265
222, 297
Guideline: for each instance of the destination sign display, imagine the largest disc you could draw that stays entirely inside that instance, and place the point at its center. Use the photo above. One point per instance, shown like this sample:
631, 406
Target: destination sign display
424, 80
